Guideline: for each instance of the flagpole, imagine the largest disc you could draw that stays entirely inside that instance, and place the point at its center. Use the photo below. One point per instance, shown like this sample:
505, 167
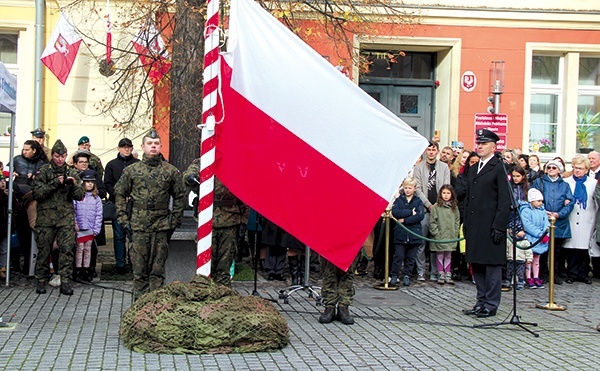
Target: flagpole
207, 147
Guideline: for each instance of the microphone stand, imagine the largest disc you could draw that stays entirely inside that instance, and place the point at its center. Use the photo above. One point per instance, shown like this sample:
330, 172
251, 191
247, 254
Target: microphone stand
515, 320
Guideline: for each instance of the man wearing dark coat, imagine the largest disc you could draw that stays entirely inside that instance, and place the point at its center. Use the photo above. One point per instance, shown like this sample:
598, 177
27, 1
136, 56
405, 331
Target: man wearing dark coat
486, 217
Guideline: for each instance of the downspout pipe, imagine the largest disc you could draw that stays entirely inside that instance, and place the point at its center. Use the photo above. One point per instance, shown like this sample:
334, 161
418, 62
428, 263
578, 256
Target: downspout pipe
40, 9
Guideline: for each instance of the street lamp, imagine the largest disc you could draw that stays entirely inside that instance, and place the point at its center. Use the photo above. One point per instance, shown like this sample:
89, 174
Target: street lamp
497, 88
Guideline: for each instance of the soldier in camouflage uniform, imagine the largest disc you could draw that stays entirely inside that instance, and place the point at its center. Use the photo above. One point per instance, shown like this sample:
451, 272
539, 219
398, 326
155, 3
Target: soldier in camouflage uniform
55, 187
338, 289
229, 212
142, 196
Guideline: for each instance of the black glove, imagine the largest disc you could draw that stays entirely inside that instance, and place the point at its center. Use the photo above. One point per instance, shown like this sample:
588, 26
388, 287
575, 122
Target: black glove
497, 236
192, 179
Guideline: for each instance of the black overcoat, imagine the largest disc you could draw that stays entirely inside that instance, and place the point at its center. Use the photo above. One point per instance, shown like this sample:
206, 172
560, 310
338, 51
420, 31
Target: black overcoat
487, 208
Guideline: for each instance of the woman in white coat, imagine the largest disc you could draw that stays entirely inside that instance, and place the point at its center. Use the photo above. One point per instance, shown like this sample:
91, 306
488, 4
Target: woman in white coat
582, 220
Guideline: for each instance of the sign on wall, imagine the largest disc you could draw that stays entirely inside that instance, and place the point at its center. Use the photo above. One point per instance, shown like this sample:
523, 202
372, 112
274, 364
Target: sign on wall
468, 81
498, 123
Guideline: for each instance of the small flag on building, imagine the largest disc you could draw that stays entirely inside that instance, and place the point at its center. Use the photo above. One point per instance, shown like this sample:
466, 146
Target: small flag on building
61, 49
154, 56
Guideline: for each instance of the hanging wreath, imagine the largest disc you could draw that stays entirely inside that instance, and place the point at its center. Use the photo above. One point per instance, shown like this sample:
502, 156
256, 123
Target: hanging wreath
107, 68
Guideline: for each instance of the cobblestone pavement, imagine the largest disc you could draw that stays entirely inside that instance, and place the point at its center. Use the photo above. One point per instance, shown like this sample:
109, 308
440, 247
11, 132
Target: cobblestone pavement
419, 327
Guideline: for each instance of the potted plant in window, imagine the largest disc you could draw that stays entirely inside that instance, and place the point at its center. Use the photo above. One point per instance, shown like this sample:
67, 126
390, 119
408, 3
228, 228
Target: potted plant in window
587, 124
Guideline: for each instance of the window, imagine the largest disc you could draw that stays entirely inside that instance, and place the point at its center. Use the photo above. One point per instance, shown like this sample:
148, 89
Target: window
588, 104
8, 56
399, 64
546, 93
564, 108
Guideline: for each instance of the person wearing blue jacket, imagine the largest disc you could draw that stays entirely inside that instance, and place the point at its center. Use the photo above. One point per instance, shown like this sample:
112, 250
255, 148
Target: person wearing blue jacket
410, 211
535, 222
558, 202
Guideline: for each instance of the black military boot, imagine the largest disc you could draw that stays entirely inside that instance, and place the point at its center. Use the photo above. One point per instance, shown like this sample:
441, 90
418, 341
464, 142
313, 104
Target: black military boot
40, 288
294, 263
327, 316
90, 274
344, 315
66, 289
77, 274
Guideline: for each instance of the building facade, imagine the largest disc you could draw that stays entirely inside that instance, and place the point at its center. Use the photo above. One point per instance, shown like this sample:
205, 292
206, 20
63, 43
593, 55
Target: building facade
434, 73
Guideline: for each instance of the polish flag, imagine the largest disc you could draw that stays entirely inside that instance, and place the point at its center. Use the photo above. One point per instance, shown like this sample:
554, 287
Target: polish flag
154, 56
62, 49
300, 143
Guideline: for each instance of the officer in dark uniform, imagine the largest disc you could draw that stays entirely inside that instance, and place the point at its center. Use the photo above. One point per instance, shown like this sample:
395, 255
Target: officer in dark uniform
40, 136
142, 197
55, 187
486, 217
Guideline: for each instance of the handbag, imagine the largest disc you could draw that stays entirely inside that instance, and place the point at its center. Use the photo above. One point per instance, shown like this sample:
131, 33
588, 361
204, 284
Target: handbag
109, 210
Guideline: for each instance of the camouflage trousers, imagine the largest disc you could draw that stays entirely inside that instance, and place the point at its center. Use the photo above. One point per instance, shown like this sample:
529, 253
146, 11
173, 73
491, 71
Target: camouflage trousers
65, 239
224, 248
149, 252
338, 286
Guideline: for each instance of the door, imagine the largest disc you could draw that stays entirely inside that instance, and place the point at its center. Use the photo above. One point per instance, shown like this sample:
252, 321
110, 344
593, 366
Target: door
412, 104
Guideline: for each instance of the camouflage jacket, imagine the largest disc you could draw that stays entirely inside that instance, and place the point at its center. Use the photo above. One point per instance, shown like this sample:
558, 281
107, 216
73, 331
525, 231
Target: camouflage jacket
149, 184
228, 209
55, 200
96, 164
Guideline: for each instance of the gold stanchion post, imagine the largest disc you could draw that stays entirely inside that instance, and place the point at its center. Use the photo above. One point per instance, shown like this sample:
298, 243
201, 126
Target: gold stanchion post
386, 278
551, 305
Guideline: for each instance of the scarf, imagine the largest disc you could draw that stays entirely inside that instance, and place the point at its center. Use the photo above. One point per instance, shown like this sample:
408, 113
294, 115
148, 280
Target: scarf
519, 192
580, 193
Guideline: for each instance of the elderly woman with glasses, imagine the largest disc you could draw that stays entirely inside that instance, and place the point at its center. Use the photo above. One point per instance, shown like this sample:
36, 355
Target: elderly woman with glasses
558, 202
582, 220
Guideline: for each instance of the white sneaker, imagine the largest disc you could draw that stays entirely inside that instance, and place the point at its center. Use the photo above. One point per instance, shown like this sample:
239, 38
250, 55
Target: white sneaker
55, 281
421, 277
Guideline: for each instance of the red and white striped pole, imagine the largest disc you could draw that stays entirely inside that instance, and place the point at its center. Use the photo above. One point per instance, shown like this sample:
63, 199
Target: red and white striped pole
207, 149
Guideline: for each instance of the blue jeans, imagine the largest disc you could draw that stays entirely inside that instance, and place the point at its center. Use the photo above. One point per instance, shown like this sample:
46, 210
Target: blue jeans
119, 243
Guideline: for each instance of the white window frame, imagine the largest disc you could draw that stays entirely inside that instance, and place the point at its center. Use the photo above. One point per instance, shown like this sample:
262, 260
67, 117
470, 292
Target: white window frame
568, 86
12, 68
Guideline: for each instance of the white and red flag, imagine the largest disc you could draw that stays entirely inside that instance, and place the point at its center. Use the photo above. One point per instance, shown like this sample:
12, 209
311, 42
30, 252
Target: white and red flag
61, 49
302, 144
153, 53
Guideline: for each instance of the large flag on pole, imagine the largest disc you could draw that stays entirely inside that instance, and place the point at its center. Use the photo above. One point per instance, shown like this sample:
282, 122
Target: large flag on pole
61, 49
301, 143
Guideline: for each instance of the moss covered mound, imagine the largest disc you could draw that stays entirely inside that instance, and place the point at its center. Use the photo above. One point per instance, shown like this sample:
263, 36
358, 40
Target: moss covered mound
202, 317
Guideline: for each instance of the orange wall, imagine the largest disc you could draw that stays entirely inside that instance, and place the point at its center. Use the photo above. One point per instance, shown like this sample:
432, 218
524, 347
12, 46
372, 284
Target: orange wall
481, 46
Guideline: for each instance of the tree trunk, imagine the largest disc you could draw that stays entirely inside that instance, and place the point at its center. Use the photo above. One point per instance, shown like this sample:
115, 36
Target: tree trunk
186, 82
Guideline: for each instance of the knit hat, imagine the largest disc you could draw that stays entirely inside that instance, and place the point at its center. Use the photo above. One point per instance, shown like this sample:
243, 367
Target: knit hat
558, 164
59, 147
534, 195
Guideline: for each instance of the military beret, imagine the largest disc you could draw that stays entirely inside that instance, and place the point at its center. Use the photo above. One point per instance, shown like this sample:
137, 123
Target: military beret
59, 147
38, 133
83, 140
485, 135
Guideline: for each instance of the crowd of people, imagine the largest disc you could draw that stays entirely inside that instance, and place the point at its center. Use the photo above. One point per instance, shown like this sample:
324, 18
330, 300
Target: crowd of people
496, 199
